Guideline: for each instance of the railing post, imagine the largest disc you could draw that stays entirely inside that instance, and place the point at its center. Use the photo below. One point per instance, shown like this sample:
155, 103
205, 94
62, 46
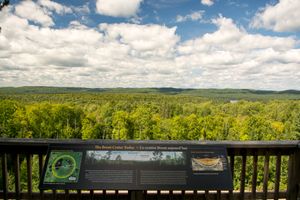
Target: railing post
243, 175
293, 189
136, 195
40, 173
266, 176
254, 176
29, 174
17, 175
4, 176
277, 177
232, 174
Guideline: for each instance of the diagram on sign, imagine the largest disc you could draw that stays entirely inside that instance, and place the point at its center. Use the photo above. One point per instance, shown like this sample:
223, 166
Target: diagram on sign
207, 162
63, 167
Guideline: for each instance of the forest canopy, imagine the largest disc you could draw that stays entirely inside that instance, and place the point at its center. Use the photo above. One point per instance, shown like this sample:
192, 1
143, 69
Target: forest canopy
160, 114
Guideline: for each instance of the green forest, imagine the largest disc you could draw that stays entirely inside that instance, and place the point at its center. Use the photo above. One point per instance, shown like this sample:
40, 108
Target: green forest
150, 114
161, 114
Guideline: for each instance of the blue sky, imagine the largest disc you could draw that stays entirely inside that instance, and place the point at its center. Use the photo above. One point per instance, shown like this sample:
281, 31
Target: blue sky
145, 43
164, 12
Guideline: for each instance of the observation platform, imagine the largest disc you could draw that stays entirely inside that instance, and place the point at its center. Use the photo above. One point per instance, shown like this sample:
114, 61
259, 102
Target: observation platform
260, 169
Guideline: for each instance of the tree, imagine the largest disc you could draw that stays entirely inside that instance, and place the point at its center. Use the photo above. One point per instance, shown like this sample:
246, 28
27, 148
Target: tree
259, 128
162, 128
142, 122
91, 129
121, 126
179, 129
8, 109
40, 120
67, 120
118, 157
157, 156
193, 127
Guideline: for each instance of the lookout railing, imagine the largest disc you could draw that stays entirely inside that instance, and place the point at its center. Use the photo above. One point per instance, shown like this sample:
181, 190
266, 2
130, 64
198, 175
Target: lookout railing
251, 162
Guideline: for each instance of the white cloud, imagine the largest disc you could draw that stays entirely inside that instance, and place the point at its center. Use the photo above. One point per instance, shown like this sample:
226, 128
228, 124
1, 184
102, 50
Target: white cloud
41, 12
53, 6
144, 40
207, 2
231, 57
282, 17
194, 16
84, 9
77, 25
33, 12
132, 55
118, 8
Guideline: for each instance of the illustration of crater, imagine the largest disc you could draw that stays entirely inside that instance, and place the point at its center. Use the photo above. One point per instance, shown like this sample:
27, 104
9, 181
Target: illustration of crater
63, 166
207, 164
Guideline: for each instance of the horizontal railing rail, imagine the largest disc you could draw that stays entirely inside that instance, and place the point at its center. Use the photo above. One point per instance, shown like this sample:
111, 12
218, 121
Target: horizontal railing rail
261, 170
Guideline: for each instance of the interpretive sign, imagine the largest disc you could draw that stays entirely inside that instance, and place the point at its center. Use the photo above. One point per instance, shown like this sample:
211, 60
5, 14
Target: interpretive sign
137, 166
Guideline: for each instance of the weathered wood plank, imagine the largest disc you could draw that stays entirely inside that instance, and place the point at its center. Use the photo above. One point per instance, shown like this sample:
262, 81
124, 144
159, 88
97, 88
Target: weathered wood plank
136, 195
277, 176
243, 174
79, 196
54, 195
206, 194
43, 143
16, 159
4, 176
236, 195
266, 175
29, 173
232, 173
92, 194
67, 194
254, 177
218, 194
41, 173
294, 175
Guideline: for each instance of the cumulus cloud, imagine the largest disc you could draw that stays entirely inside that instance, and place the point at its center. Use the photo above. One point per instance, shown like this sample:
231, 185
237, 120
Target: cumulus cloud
132, 55
41, 11
56, 7
236, 58
118, 8
281, 17
84, 9
194, 16
33, 12
207, 2
143, 40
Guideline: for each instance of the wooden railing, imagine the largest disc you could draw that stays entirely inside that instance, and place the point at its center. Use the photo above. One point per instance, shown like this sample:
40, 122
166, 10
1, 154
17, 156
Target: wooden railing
252, 163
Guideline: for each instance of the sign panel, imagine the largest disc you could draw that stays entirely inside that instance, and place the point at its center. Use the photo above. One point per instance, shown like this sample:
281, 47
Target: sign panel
137, 166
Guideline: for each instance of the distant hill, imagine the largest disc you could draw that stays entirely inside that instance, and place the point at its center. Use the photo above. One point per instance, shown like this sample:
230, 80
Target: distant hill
43, 90
233, 94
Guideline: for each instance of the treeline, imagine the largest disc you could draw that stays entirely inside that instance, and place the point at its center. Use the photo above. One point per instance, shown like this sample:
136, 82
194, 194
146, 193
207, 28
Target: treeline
151, 119
205, 93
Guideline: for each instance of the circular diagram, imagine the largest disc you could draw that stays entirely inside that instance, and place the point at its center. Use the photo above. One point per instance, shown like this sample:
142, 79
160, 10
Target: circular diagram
63, 166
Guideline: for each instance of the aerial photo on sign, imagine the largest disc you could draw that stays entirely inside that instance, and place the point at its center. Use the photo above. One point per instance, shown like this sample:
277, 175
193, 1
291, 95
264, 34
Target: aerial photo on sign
135, 157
